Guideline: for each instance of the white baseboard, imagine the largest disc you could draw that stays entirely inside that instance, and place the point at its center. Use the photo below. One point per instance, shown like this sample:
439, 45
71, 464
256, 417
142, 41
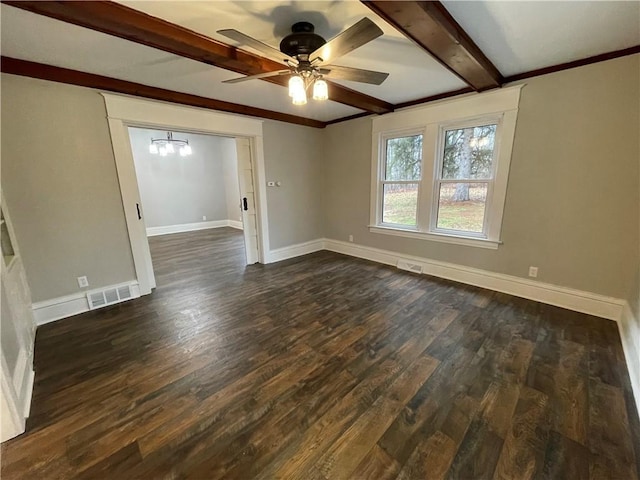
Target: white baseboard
70, 305
569, 298
61, 307
629, 327
291, 251
190, 227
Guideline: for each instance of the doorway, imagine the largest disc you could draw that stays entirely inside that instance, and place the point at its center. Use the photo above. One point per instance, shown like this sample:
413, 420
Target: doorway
190, 182
124, 112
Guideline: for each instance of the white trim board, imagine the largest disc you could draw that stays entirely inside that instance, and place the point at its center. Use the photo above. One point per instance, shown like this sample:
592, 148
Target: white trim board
297, 250
125, 111
70, 305
569, 298
190, 227
629, 328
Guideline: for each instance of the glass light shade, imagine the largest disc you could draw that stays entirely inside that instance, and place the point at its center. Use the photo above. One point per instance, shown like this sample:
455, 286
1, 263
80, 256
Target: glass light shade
320, 90
187, 149
296, 86
182, 151
163, 151
170, 148
300, 98
153, 148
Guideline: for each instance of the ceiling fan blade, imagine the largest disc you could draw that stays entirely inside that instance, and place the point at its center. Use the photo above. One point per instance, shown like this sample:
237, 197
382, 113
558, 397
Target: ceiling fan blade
266, 50
259, 75
353, 37
353, 74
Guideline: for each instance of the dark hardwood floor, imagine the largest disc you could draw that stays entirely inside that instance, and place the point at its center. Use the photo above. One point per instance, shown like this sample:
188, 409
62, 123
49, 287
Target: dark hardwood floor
323, 367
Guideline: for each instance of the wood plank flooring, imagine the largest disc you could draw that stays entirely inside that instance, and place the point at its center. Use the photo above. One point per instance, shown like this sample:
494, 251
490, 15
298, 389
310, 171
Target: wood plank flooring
323, 367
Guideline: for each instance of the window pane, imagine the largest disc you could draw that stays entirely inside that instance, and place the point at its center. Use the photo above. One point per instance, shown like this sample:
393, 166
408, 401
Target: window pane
468, 153
461, 206
399, 204
404, 158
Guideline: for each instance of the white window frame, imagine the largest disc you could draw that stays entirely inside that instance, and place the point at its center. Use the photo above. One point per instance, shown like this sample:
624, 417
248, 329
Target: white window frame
437, 177
497, 107
382, 174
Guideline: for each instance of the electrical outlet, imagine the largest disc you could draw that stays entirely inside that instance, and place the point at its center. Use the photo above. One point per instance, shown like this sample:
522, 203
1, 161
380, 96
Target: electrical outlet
533, 272
351, 238
204, 217
83, 282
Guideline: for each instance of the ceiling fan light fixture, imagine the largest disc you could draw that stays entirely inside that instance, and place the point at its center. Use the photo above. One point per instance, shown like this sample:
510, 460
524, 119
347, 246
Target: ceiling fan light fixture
153, 149
296, 85
300, 98
320, 90
309, 57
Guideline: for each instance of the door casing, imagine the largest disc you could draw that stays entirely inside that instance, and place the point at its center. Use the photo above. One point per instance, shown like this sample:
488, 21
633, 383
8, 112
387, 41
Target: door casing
124, 112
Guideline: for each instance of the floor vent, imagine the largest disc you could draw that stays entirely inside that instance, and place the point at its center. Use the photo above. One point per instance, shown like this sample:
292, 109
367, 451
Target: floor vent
409, 266
102, 298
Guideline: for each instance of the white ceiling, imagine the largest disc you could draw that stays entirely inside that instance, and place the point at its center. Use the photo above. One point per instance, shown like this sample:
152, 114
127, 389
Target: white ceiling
516, 36
523, 36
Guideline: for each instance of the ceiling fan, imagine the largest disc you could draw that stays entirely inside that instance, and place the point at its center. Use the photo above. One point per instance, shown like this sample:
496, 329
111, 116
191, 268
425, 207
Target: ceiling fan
308, 57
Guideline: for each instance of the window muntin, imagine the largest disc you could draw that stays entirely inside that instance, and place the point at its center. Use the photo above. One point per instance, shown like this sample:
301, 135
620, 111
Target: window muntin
499, 108
464, 179
401, 178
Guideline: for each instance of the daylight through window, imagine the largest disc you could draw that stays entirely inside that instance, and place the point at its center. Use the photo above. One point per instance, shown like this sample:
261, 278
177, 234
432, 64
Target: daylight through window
402, 174
444, 179
464, 180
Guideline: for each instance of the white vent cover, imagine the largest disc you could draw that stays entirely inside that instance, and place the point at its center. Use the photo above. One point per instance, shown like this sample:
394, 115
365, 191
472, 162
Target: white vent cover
409, 266
102, 298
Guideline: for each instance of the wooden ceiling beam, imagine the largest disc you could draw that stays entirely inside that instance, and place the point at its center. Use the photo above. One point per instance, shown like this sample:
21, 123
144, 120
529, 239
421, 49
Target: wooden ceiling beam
432, 27
130, 24
25, 68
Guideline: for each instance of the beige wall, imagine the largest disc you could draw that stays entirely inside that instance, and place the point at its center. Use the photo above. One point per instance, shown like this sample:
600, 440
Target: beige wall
294, 156
59, 180
572, 200
60, 183
572, 205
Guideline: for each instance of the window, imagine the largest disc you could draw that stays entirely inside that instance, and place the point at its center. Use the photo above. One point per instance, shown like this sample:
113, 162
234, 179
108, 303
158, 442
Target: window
402, 175
464, 179
444, 180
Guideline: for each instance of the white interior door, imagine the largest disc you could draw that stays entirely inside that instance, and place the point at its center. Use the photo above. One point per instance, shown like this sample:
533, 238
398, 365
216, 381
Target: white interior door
247, 199
17, 334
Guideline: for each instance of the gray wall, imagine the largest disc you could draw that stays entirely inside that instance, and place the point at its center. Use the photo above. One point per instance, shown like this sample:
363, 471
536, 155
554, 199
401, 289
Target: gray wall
294, 155
176, 190
60, 184
572, 201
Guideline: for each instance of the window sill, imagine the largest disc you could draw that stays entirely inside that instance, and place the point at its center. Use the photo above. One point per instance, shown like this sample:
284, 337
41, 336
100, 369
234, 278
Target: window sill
437, 237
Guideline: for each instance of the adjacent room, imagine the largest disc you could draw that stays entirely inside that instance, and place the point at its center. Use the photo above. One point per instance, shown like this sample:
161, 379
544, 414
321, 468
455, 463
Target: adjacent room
357, 240
188, 185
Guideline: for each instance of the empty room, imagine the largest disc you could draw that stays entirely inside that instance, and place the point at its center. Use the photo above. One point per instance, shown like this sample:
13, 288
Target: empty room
320, 240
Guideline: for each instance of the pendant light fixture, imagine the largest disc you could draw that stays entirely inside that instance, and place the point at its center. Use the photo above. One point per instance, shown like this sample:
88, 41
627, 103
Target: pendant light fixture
165, 146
